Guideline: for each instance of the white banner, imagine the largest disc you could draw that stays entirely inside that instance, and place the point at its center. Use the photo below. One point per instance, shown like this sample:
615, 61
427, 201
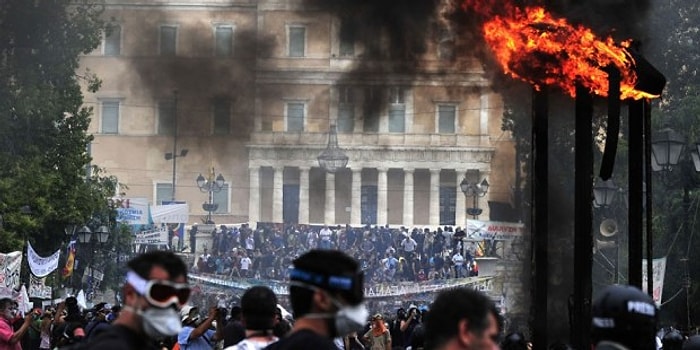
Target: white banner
659, 266
170, 214
477, 229
38, 288
133, 211
10, 264
158, 236
40, 266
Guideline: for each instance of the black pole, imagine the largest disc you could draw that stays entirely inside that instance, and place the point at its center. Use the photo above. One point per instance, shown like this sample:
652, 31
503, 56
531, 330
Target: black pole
583, 217
540, 216
636, 179
647, 199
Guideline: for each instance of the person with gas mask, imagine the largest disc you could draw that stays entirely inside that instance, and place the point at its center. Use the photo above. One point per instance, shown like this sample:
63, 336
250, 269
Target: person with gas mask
326, 293
156, 289
9, 339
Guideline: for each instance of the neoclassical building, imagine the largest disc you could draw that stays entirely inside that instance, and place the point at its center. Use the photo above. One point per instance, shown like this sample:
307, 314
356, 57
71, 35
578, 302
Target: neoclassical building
251, 89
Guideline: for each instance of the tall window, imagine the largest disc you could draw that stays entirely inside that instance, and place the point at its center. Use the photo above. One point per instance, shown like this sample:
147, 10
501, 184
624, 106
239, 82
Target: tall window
113, 40
110, 117
164, 192
446, 118
397, 110
346, 110
221, 198
371, 108
168, 40
224, 41
295, 116
347, 38
222, 117
166, 118
368, 204
297, 41
448, 200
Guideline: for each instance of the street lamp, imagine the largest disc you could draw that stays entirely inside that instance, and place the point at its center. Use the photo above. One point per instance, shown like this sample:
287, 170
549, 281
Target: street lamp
210, 185
471, 187
667, 148
332, 158
604, 193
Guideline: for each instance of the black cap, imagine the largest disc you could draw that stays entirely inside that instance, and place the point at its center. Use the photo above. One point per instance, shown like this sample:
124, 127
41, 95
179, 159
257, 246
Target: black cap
626, 315
692, 343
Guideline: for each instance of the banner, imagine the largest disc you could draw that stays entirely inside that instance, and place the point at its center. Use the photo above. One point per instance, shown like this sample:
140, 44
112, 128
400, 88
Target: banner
10, 264
133, 211
477, 229
38, 288
39, 266
158, 236
169, 214
70, 260
659, 266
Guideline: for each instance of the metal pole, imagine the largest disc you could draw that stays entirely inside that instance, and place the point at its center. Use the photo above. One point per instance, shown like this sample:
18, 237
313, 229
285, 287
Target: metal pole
540, 216
635, 226
175, 131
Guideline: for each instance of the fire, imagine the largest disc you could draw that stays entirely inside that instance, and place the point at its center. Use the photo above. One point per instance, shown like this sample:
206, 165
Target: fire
532, 45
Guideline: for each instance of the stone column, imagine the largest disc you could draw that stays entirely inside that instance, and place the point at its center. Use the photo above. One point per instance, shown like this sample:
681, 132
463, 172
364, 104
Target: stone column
382, 194
460, 201
254, 195
408, 199
304, 195
329, 213
277, 185
356, 198
434, 197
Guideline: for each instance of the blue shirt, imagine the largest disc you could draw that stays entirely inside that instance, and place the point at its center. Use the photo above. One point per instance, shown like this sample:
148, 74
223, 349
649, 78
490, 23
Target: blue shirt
204, 342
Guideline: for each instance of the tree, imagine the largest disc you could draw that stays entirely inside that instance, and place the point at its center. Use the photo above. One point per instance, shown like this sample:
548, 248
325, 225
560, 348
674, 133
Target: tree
46, 180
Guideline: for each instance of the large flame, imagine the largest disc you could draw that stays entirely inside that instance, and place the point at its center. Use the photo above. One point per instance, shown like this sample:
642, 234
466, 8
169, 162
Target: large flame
532, 45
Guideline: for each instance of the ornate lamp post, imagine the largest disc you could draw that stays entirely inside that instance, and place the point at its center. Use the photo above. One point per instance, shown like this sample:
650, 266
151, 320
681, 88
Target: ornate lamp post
471, 187
210, 185
332, 158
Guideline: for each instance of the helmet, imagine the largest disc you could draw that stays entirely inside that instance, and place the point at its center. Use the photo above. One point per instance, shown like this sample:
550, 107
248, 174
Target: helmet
672, 340
693, 343
626, 315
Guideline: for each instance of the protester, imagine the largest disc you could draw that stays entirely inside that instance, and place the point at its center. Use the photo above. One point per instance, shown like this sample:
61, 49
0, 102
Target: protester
9, 339
200, 335
623, 317
461, 318
99, 322
155, 290
378, 337
234, 331
326, 293
259, 307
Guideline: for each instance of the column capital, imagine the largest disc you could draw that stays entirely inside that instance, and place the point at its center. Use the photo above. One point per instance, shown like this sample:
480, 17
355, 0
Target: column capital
409, 170
434, 171
382, 169
356, 170
304, 168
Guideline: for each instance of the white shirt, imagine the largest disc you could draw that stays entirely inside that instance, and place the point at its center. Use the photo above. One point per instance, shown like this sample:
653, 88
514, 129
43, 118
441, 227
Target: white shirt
325, 234
409, 244
245, 263
458, 259
250, 243
251, 344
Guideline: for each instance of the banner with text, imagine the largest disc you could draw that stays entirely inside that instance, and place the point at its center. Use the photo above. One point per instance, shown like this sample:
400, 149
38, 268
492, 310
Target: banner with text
133, 211
10, 264
157, 236
169, 214
659, 266
38, 288
41, 266
477, 229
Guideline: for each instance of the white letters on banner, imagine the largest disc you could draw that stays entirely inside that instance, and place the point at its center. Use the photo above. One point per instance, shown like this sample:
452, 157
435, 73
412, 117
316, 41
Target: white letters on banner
659, 266
477, 229
39, 266
133, 211
159, 236
38, 288
170, 214
10, 264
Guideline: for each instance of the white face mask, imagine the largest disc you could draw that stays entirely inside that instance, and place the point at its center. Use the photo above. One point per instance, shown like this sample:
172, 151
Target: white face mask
159, 323
348, 318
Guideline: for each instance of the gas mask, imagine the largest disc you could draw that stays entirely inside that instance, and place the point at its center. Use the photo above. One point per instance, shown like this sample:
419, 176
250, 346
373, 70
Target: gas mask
348, 318
158, 322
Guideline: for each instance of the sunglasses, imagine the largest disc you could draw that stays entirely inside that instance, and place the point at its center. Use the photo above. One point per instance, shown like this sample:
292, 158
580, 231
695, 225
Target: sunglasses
160, 293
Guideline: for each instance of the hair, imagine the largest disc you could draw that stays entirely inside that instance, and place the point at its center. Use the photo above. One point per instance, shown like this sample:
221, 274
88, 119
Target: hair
142, 264
327, 262
452, 306
5, 303
259, 306
236, 313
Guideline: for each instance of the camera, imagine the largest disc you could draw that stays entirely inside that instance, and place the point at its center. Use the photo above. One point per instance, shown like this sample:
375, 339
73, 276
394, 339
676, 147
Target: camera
221, 311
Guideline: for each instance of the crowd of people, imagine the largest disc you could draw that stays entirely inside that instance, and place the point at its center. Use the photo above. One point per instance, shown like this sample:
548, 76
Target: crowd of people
385, 254
327, 299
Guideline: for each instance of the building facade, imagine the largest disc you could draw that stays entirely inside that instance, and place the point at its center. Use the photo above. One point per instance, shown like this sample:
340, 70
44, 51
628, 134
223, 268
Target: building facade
251, 89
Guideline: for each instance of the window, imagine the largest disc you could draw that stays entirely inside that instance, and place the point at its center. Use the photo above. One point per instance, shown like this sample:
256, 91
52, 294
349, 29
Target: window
221, 199
446, 118
448, 200
397, 110
168, 40
347, 38
110, 117
113, 40
368, 204
297, 41
166, 118
295, 116
222, 117
224, 41
346, 110
164, 192
371, 109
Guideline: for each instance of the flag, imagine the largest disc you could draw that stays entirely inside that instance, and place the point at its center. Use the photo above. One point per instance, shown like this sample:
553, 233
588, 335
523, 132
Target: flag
70, 260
